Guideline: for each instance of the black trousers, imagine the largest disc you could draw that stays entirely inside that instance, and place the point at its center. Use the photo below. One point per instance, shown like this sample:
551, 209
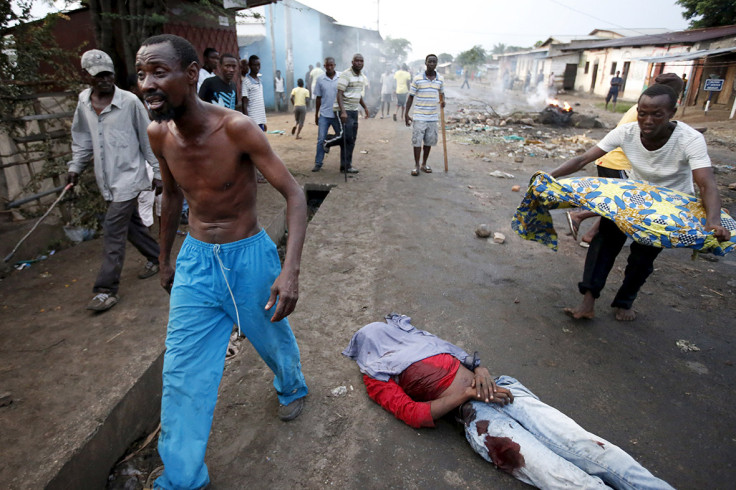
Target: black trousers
122, 221
604, 249
346, 138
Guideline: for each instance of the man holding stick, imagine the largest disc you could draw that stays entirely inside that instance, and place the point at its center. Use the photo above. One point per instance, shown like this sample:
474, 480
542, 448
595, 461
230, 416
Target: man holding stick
429, 90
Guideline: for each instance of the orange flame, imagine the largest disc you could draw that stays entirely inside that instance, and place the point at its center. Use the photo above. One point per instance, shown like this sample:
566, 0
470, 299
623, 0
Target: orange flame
556, 103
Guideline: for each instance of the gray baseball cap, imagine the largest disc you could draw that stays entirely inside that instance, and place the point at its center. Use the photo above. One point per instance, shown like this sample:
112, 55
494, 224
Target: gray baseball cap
96, 62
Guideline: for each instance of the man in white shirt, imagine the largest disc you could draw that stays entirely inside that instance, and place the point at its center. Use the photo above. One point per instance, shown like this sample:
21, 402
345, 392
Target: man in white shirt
209, 66
252, 93
278, 87
665, 153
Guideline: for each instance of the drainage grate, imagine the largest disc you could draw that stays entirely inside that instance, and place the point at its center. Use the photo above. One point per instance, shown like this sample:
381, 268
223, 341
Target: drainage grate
316, 194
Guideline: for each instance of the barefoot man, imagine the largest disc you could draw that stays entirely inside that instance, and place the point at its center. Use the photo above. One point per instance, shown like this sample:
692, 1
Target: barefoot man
228, 269
664, 153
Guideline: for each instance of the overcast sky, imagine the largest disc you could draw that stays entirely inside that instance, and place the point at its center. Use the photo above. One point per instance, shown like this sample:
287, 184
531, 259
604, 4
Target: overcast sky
435, 26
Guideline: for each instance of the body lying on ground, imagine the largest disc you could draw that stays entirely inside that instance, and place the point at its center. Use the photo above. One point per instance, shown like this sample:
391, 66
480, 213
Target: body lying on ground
419, 378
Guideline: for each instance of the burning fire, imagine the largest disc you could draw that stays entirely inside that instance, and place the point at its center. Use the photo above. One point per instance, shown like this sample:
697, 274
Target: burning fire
556, 103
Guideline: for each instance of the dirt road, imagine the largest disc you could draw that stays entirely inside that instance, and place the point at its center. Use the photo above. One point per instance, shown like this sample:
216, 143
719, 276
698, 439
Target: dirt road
389, 242
386, 241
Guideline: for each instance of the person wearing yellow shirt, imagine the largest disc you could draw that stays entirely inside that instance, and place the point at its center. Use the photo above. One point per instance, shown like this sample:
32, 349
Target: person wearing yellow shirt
299, 96
614, 164
403, 80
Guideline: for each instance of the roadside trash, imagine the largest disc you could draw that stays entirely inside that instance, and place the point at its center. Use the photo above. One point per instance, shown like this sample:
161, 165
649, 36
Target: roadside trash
339, 391
364, 152
501, 175
513, 137
519, 158
687, 346
6, 399
78, 234
732, 186
499, 237
516, 188
276, 131
483, 231
45, 275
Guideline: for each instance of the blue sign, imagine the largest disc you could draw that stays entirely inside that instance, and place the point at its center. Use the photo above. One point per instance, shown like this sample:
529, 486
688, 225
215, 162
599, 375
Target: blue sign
713, 85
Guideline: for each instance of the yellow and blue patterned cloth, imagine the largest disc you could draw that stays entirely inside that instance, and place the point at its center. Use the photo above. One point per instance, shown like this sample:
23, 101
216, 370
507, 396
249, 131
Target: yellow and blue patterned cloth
649, 214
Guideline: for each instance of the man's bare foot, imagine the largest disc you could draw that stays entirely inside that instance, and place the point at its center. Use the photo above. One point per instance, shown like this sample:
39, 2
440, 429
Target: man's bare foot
624, 315
579, 313
586, 310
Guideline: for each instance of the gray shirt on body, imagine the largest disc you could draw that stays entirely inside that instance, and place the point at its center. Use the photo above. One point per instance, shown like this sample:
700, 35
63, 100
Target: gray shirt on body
118, 141
326, 88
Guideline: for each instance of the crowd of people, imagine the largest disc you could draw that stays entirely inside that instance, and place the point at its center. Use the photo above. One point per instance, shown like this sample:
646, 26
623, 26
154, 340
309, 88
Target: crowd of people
182, 137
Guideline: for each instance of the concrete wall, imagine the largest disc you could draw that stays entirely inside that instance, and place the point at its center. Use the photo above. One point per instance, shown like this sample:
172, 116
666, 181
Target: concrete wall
293, 42
639, 75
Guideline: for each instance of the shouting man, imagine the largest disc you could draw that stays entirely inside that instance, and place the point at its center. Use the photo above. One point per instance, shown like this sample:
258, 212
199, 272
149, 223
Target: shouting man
228, 269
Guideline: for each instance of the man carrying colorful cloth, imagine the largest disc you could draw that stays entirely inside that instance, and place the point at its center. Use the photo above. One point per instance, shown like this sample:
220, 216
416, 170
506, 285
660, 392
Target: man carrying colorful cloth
663, 153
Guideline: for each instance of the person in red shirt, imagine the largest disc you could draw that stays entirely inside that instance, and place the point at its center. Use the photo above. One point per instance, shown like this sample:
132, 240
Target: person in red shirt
419, 378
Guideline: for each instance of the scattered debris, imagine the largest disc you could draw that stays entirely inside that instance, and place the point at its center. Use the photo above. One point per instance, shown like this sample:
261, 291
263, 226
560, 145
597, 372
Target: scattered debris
499, 237
6, 399
516, 188
687, 346
732, 186
339, 391
501, 175
483, 231
364, 152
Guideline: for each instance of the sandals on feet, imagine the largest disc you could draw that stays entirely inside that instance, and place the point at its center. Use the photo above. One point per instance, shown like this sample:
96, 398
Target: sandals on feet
415, 172
426, 169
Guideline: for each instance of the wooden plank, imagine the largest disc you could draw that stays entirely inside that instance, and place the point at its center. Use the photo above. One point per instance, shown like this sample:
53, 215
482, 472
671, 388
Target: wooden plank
39, 117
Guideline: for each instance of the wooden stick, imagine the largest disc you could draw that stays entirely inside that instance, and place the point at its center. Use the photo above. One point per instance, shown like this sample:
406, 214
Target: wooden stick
444, 137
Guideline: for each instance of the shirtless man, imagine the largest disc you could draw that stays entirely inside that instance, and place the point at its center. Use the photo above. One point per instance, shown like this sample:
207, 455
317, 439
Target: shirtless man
227, 269
664, 153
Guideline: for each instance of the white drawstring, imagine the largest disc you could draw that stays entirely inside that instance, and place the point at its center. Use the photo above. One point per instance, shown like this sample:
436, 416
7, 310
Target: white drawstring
216, 249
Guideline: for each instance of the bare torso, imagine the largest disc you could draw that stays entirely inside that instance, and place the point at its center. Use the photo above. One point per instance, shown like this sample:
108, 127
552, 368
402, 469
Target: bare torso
216, 176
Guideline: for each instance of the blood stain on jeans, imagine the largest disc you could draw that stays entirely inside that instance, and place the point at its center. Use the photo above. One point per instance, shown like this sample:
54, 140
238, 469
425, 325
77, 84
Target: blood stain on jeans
505, 453
482, 427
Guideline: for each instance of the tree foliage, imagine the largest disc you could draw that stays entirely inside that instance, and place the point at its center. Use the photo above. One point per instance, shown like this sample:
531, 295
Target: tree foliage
709, 13
498, 48
25, 43
396, 49
473, 57
445, 58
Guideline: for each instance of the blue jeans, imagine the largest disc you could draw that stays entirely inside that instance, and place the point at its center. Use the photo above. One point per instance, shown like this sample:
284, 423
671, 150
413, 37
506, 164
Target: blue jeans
210, 281
543, 447
323, 127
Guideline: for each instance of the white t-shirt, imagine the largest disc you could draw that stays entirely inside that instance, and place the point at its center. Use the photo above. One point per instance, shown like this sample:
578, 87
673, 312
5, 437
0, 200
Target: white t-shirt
203, 75
670, 166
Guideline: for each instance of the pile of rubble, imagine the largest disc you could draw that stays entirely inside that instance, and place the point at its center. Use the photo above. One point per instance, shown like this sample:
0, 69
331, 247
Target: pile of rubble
517, 135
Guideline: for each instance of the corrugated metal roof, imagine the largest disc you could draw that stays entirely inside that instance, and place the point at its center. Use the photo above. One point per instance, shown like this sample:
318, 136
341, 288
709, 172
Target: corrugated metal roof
693, 55
679, 37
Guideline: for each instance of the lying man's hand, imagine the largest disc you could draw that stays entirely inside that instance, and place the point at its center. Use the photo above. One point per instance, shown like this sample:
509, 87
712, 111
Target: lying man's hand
485, 388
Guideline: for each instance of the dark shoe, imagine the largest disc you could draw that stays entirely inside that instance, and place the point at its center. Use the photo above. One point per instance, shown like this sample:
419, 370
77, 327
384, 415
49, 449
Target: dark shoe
292, 410
325, 147
103, 302
316, 168
150, 269
394, 117
352, 170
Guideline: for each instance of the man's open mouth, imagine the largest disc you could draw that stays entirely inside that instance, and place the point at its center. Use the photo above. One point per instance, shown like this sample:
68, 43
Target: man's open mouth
155, 102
